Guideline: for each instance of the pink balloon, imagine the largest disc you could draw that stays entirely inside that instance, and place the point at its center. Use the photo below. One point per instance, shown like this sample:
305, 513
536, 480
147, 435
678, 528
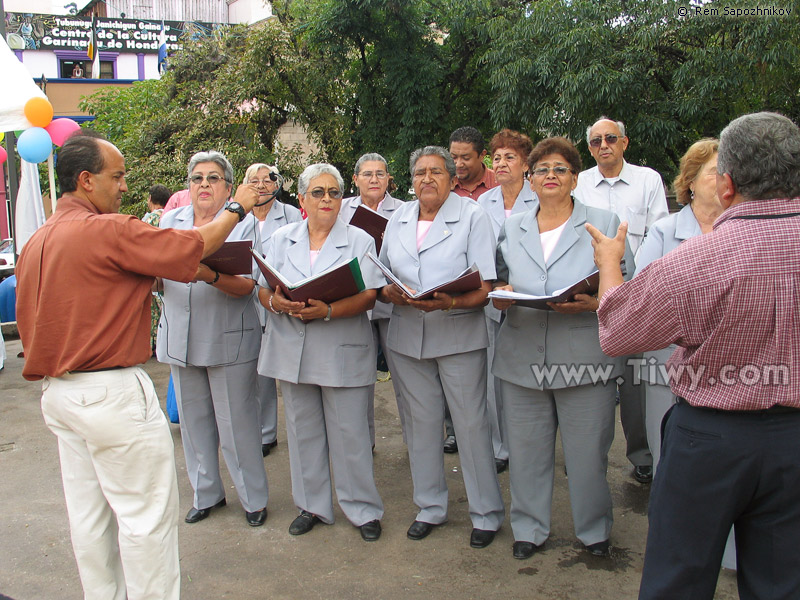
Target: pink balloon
60, 130
3, 155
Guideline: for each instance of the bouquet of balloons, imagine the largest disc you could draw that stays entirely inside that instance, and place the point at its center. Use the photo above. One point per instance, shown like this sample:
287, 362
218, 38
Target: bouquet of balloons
35, 144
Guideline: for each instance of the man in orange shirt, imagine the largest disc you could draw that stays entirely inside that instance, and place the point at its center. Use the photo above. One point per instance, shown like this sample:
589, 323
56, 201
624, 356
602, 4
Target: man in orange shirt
83, 313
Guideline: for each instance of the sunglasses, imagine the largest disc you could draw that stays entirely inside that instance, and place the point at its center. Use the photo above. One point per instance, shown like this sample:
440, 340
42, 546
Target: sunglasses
611, 139
543, 171
320, 194
211, 179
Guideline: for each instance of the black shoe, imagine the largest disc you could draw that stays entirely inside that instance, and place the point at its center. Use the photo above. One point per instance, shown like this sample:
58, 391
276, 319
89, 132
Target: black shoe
420, 530
523, 550
450, 445
256, 519
303, 523
265, 448
643, 474
501, 464
371, 531
480, 538
599, 549
198, 514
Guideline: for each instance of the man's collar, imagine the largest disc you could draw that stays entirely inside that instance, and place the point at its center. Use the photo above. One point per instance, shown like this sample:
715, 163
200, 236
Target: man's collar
756, 208
624, 174
486, 180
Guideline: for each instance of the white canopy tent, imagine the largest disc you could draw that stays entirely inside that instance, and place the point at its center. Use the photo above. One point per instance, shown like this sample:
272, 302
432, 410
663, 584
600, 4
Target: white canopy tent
19, 87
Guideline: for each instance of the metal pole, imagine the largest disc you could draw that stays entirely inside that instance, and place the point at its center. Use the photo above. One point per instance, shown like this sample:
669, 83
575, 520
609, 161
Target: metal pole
11, 142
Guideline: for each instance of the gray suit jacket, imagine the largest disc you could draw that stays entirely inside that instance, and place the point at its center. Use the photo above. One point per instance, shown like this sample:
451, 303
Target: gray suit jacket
460, 235
335, 353
542, 340
200, 325
664, 236
492, 203
390, 204
279, 215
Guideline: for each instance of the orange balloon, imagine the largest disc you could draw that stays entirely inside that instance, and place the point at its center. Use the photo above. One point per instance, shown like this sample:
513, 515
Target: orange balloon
39, 111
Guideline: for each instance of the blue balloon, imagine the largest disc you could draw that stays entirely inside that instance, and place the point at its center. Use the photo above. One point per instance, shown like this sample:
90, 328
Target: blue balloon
34, 145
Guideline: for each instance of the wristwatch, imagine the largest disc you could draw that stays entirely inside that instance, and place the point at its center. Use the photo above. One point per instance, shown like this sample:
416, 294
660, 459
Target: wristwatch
237, 208
328, 316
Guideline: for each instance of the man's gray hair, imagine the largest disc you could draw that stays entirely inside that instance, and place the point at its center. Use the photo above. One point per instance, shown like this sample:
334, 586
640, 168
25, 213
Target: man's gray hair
212, 156
620, 125
761, 153
449, 163
370, 157
314, 171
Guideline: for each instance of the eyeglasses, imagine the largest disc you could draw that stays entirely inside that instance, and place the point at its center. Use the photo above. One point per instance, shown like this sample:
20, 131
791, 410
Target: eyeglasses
611, 139
543, 171
265, 181
319, 194
369, 174
212, 179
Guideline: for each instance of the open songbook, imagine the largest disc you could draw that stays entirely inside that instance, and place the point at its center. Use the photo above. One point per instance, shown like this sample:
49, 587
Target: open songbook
467, 281
340, 281
587, 285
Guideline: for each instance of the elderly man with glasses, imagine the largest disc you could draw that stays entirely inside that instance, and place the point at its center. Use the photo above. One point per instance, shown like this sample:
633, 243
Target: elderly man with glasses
636, 194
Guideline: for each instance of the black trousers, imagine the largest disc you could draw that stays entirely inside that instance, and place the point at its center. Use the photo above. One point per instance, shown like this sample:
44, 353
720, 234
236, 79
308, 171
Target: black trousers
720, 469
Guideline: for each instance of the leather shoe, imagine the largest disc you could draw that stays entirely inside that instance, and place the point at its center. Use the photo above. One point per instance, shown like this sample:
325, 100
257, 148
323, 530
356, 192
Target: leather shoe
420, 530
599, 549
303, 523
256, 519
371, 531
501, 464
523, 550
198, 514
643, 474
450, 445
265, 448
480, 538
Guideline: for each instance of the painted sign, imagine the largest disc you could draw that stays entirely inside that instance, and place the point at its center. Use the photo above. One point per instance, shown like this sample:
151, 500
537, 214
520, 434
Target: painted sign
27, 31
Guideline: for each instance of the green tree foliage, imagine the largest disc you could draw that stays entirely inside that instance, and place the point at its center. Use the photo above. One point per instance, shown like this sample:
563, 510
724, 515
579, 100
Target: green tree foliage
391, 75
671, 74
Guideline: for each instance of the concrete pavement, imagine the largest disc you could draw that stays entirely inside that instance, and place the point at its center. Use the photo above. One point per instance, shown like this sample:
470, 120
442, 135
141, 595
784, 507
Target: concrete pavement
222, 557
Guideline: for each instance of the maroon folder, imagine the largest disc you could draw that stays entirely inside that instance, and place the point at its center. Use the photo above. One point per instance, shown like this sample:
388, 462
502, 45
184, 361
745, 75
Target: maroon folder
233, 258
370, 221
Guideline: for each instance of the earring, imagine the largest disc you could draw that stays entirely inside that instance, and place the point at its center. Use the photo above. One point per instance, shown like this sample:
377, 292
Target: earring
691, 194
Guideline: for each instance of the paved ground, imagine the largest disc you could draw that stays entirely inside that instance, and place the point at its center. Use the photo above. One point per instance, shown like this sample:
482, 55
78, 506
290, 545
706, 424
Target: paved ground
222, 557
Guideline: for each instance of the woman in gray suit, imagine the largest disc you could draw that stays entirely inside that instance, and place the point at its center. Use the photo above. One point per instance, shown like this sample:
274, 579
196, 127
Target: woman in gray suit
324, 357
695, 188
548, 360
271, 215
509, 150
371, 177
438, 346
209, 334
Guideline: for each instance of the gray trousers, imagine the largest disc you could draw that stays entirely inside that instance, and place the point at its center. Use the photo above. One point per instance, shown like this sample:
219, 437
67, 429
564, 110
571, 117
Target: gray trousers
460, 381
267, 396
217, 408
658, 400
585, 416
380, 328
494, 397
632, 415
327, 427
